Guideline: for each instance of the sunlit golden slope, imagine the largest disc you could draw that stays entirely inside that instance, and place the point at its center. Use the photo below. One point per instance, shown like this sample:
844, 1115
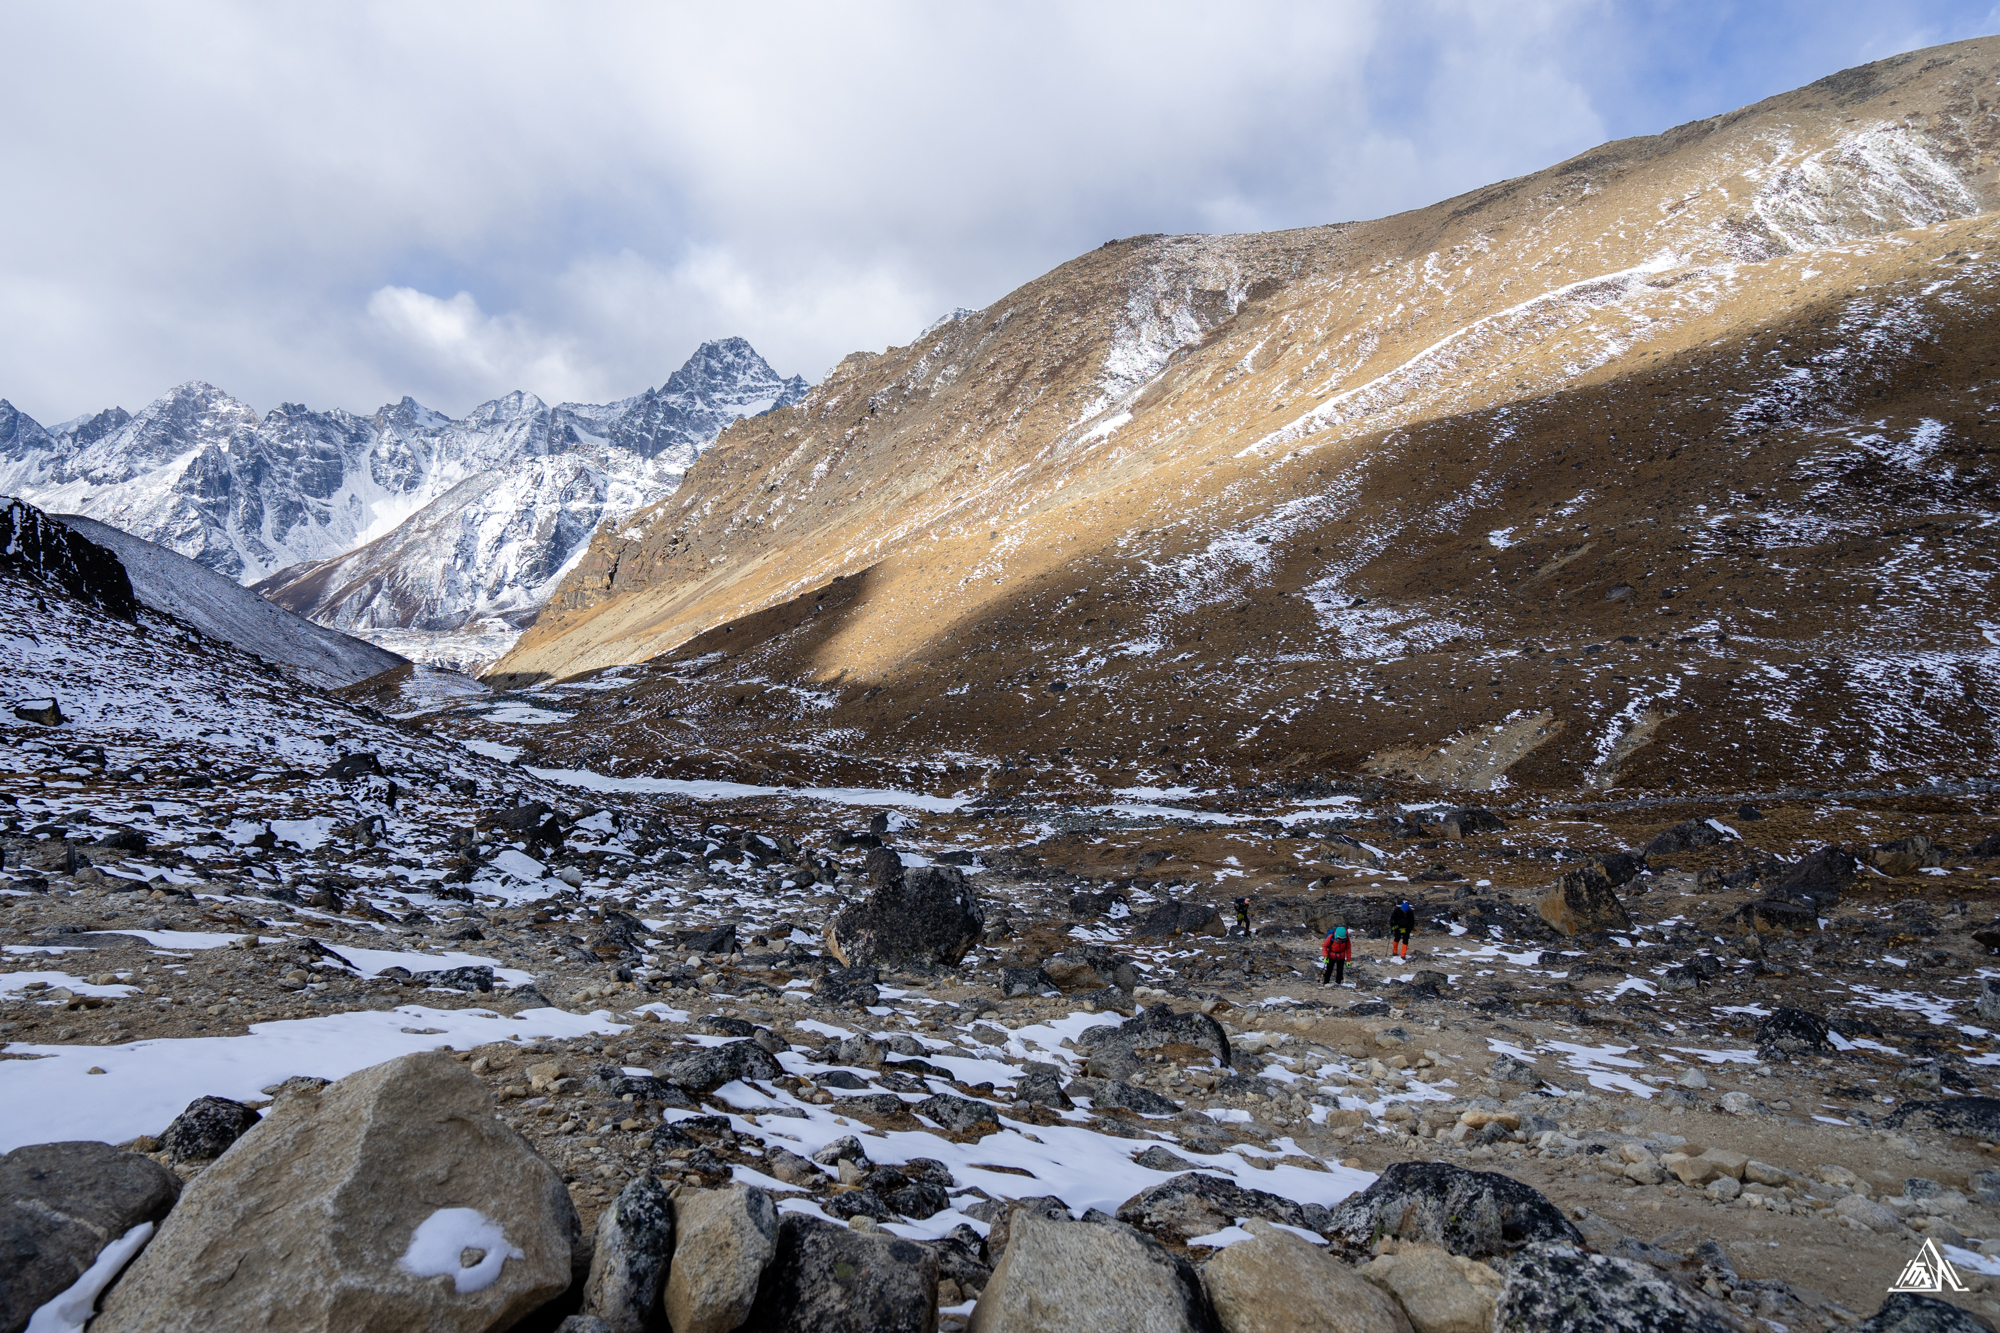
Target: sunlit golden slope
1343, 499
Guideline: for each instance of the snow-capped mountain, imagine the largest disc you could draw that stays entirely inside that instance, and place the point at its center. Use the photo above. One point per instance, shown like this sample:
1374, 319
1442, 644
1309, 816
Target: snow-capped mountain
200, 473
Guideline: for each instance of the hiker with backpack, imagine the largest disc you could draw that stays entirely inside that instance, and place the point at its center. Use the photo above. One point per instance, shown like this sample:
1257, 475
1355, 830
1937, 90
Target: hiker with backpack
1336, 948
1243, 916
1401, 922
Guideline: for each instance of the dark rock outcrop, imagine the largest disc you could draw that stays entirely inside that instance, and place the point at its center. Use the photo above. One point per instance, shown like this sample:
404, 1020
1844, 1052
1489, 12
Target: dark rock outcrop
928, 915
52, 555
1476, 1214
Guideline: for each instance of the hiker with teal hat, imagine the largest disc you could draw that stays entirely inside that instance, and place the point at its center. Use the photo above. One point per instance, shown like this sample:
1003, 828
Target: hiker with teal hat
1336, 948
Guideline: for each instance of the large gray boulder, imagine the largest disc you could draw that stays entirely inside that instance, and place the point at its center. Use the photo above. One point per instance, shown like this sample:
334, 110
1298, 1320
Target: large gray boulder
1119, 1052
1277, 1283
830, 1279
1561, 1289
727, 1239
391, 1199
1476, 1214
628, 1265
1058, 1275
1196, 1203
926, 915
60, 1205
710, 1067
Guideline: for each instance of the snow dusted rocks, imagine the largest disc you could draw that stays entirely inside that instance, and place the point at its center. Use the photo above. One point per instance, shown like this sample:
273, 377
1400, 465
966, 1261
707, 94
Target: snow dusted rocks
391, 1199
1476, 1214
60, 1205
1276, 1282
830, 1279
727, 1239
1907, 1312
1116, 1052
928, 914
1058, 1275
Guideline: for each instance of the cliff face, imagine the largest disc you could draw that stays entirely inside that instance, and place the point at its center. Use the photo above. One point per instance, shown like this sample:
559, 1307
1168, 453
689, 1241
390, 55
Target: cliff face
1567, 480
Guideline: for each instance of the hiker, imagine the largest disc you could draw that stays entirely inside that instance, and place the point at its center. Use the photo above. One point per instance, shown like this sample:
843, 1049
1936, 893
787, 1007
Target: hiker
1243, 915
1401, 922
1336, 948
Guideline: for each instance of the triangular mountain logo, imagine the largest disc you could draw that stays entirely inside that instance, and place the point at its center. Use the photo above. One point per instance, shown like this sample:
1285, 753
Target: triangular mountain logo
1930, 1271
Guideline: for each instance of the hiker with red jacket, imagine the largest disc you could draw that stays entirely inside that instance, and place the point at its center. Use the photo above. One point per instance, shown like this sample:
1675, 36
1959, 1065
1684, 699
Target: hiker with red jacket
1336, 948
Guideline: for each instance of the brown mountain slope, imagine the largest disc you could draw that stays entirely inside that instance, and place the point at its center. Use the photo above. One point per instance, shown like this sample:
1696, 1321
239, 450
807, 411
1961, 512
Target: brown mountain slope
1664, 466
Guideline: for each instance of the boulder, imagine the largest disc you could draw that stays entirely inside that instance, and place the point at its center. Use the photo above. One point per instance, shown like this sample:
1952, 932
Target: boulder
1088, 1275
1686, 837
1909, 1312
1179, 918
1017, 982
1787, 1031
1988, 1004
391, 1199
962, 1256
1905, 856
206, 1129
929, 915
1773, 915
725, 1240
1583, 900
1439, 1292
1109, 1093
1475, 1214
1199, 1204
958, 1115
1276, 1282
1821, 876
1154, 1030
628, 1265
1561, 1289
352, 766
709, 1068
1470, 821
60, 1205
827, 1278
1041, 1085
1089, 969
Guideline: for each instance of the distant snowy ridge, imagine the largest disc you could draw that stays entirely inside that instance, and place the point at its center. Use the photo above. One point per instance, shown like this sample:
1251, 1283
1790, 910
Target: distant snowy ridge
200, 473
170, 583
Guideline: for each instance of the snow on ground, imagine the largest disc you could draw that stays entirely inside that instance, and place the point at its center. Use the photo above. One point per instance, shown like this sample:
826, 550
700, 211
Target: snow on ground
116, 1093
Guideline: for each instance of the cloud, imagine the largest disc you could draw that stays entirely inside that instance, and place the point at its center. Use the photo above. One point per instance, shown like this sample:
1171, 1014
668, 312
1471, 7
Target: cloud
343, 204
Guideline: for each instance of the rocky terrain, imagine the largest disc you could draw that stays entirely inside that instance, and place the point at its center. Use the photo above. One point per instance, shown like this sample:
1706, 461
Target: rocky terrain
853, 1058
886, 887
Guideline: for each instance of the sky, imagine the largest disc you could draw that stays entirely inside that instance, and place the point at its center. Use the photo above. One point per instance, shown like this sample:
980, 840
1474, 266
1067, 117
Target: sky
343, 204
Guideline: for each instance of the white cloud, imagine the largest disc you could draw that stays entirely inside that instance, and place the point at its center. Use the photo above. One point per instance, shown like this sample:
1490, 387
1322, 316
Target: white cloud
342, 204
